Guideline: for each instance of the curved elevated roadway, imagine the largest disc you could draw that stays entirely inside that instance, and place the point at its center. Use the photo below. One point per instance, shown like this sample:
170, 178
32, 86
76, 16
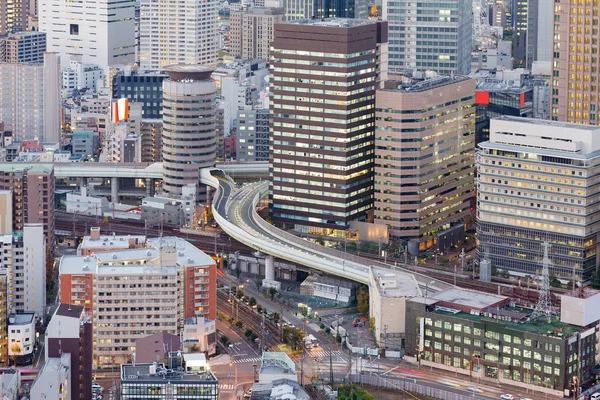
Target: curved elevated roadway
235, 211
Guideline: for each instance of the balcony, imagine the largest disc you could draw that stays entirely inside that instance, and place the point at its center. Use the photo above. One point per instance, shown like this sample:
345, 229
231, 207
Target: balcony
201, 281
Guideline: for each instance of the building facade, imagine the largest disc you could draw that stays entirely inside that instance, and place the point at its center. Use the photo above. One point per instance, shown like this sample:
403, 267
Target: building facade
252, 138
430, 36
424, 157
13, 16
308, 9
23, 47
106, 37
151, 131
163, 26
21, 337
324, 77
141, 88
189, 108
536, 185
539, 33
53, 382
251, 31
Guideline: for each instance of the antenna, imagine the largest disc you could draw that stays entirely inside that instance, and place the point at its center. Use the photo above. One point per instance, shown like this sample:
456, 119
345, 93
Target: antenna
544, 305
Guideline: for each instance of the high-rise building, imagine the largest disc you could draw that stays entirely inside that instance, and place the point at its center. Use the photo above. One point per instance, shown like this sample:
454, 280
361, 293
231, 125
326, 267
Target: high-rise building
251, 31
145, 88
252, 135
70, 332
536, 185
178, 33
99, 33
30, 99
430, 36
189, 107
88, 280
424, 166
13, 16
23, 47
575, 87
324, 77
539, 31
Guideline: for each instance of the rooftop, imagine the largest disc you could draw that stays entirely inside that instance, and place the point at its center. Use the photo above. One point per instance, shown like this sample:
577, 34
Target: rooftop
333, 22
69, 310
277, 362
20, 318
422, 85
193, 72
157, 372
468, 298
187, 253
112, 241
394, 283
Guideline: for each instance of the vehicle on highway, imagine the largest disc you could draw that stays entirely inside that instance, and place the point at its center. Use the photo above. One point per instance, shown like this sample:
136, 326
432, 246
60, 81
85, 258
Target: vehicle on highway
248, 393
474, 389
310, 341
595, 396
507, 397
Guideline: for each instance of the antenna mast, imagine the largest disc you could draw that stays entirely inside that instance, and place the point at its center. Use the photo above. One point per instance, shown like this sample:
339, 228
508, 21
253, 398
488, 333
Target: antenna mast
544, 304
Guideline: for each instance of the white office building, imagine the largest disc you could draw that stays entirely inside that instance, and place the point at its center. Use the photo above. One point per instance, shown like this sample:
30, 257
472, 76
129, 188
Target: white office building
537, 183
90, 31
78, 76
178, 33
30, 99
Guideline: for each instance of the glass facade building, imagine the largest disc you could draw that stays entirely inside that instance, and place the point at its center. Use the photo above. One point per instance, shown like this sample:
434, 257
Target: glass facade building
145, 89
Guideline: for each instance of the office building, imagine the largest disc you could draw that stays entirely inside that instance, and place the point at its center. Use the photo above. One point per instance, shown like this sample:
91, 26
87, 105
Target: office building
277, 379
30, 98
424, 166
161, 33
322, 148
79, 76
23, 47
482, 336
87, 280
53, 382
575, 88
430, 36
97, 33
184, 376
189, 107
70, 332
536, 185
539, 31
85, 143
252, 138
21, 337
251, 31
497, 99
13, 16
141, 88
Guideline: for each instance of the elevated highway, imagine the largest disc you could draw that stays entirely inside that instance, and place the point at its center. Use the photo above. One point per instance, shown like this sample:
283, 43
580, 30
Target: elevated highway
235, 211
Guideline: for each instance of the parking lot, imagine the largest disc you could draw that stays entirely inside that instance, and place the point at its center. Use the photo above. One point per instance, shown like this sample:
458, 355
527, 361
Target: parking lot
358, 334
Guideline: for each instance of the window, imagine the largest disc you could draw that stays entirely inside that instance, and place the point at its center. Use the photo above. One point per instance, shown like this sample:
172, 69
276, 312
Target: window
507, 338
457, 327
74, 29
467, 329
447, 325
438, 324
476, 331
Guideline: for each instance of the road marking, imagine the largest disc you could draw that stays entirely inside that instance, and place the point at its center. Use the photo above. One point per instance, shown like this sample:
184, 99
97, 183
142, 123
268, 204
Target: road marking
390, 370
226, 387
246, 360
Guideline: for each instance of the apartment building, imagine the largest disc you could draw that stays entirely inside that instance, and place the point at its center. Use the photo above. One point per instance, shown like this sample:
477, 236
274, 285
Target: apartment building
164, 24
13, 16
536, 184
252, 138
251, 31
424, 158
324, 77
155, 287
151, 132
23, 47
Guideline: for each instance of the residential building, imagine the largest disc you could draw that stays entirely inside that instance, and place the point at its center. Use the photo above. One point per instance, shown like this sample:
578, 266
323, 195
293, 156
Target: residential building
82, 204
187, 376
252, 138
314, 186
251, 31
156, 347
145, 88
79, 76
70, 332
199, 336
21, 337
53, 382
23, 47
97, 33
495, 99
28, 98
485, 336
32, 187
164, 211
85, 143
536, 185
430, 36
13, 16
151, 131
189, 107
161, 33
424, 165
88, 280
3, 308
574, 88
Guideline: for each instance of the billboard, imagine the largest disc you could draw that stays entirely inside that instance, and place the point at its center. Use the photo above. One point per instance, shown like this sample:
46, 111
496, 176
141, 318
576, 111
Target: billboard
119, 110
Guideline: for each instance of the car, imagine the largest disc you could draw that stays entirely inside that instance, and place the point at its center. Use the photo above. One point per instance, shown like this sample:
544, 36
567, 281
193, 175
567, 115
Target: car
474, 389
248, 393
507, 397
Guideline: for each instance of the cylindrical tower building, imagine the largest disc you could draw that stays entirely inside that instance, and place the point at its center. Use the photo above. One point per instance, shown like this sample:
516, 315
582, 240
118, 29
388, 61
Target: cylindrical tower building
189, 126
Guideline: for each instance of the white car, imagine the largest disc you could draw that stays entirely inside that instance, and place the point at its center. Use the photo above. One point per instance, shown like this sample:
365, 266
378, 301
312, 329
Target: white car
507, 397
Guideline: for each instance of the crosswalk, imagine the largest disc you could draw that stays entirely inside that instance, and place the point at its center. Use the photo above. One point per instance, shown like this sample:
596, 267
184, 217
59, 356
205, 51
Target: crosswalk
325, 353
226, 387
247, 360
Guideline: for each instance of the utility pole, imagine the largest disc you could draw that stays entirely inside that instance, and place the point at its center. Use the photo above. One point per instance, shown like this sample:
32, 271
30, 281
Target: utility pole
331, 367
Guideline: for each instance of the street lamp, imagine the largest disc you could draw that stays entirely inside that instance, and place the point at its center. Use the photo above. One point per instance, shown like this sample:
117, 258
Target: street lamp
426, 287
234, 365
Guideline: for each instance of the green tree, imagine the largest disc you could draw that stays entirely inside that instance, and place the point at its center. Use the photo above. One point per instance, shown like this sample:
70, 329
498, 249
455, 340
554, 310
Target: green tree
272, 293
224, 340
363, 300
259, 309
320, 241
554, 281
494, 270
239, 324
259, 283
276, 317
248, 333
239, 293
338, 338
595, 280
252, 302
238, 272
